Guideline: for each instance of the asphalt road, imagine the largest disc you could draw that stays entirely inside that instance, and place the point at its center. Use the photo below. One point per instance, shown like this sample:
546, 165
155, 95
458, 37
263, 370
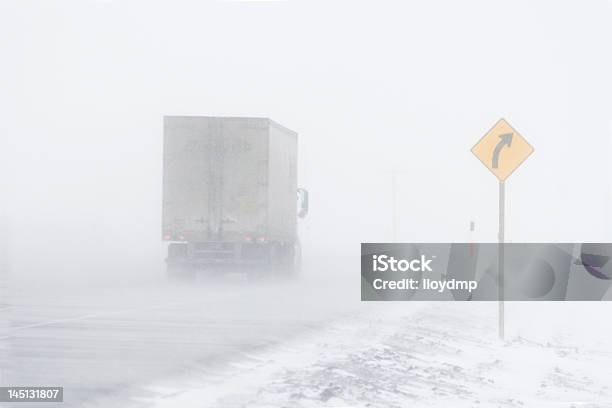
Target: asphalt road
104, 345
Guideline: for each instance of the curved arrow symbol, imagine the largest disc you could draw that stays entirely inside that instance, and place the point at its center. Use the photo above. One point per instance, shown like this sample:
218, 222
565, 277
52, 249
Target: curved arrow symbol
504, 140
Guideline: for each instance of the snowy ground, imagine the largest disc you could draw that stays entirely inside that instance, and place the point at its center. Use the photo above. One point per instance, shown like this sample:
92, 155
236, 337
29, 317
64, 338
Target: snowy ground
102, 344
231, 344
419, 355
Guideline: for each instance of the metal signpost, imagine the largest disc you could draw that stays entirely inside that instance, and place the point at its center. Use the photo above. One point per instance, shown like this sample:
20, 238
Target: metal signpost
502, 150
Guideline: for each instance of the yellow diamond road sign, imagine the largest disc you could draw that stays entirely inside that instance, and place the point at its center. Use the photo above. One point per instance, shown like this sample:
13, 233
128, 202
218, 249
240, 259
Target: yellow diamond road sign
502, 149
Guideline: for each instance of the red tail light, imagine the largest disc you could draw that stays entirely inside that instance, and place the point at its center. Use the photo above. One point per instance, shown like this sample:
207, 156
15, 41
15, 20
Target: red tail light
248, 238
167, 237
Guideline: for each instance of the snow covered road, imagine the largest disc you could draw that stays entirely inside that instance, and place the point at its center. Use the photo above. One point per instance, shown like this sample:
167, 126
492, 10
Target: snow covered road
103, 345
230, 344
418, 355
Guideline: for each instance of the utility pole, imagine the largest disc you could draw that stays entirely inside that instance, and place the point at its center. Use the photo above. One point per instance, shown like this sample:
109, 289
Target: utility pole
394, 199
394, 204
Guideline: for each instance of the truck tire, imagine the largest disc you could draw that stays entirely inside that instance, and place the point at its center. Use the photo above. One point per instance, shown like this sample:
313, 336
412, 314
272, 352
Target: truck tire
290, 260
178, 272
297, 259
177, 268
177, 251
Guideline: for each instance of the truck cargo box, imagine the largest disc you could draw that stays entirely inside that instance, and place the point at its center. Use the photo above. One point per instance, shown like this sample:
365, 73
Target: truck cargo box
228, 179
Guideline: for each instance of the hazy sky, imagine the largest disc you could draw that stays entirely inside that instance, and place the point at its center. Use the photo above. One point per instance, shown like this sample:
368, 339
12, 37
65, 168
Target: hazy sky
367, 85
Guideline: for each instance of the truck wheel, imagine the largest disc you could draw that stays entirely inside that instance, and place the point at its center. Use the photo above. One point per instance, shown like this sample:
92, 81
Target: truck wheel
297, 259
290, 261
177, 269
178, 272
177, 251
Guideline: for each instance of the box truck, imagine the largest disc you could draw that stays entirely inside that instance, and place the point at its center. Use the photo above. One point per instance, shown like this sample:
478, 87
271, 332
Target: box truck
230, 196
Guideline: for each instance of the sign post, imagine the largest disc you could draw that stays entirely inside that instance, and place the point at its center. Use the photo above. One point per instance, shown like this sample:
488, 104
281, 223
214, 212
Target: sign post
502, 150
500, 258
